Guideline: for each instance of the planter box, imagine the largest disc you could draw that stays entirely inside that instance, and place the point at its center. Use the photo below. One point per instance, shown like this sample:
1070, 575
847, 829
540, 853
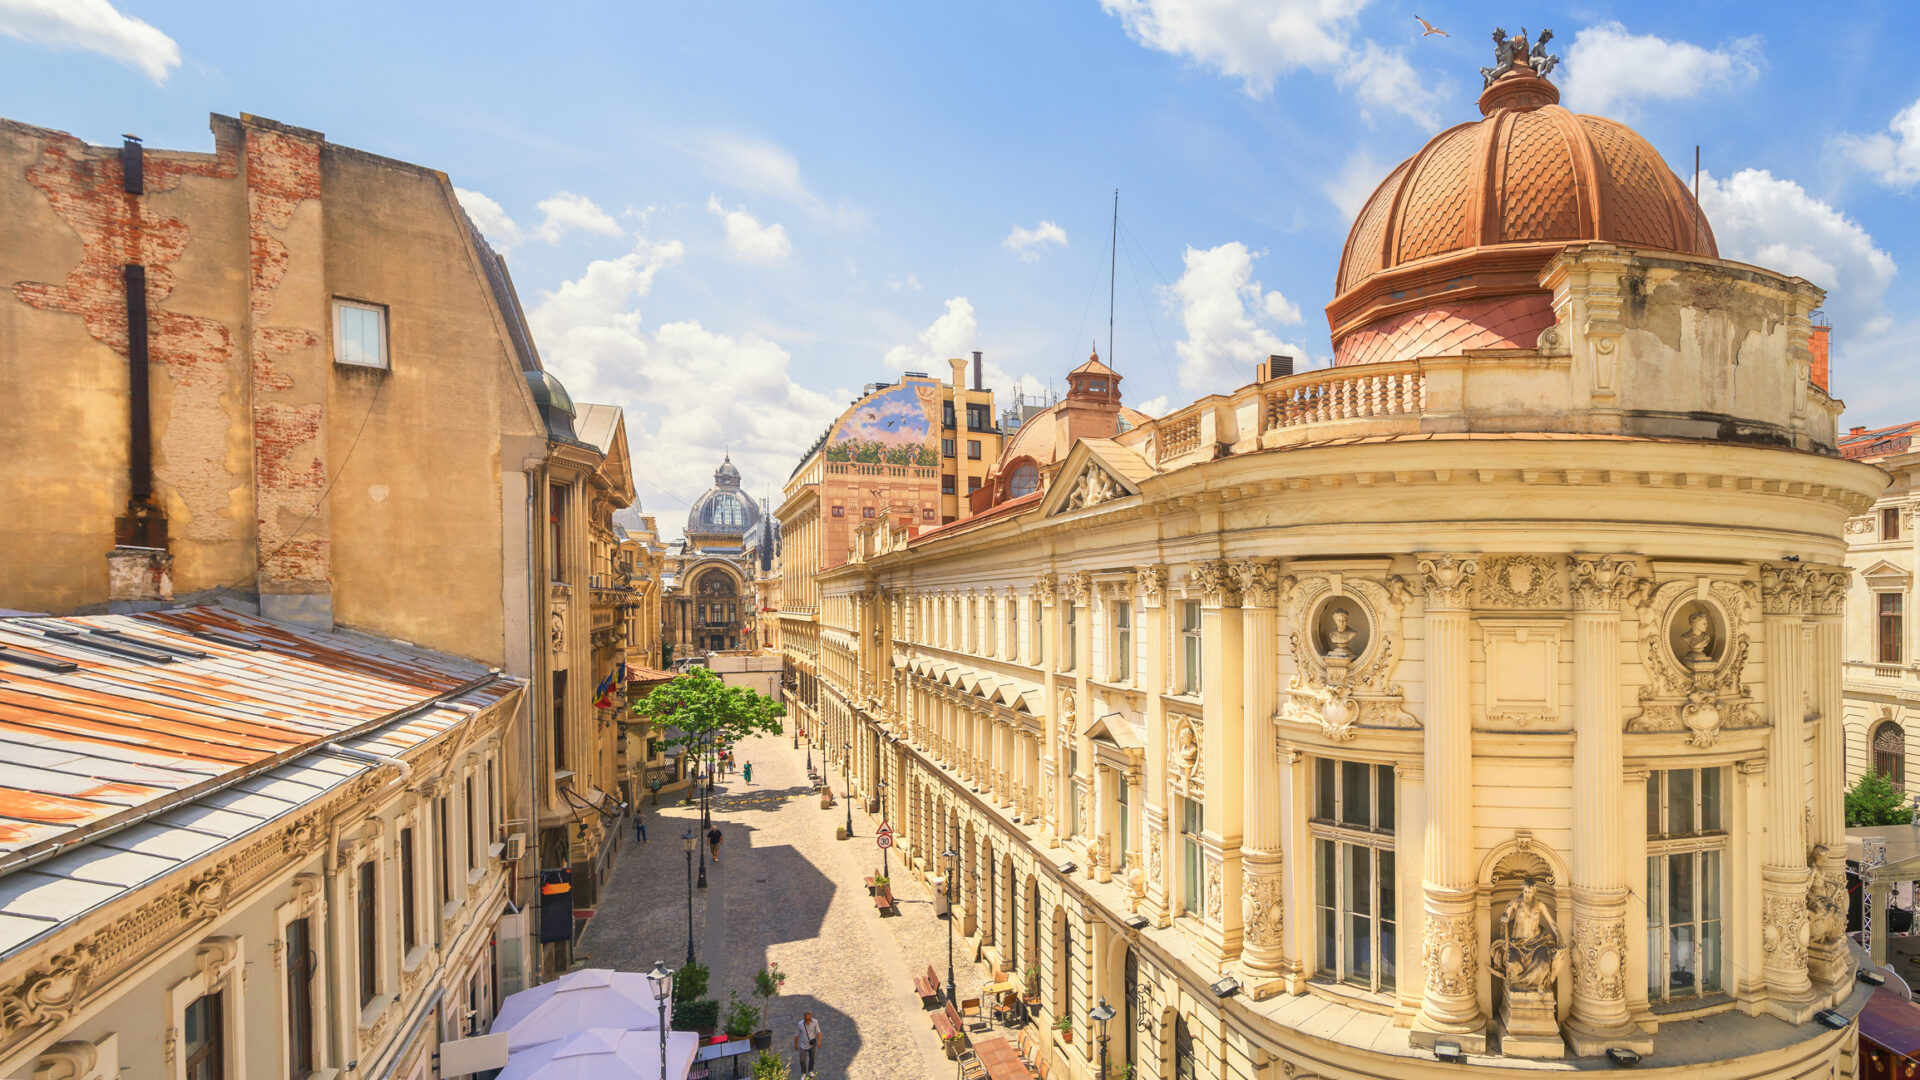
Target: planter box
762, 1040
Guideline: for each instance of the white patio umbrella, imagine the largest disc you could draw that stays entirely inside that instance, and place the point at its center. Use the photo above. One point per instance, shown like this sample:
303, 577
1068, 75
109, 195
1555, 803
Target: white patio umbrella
575, 1002
605, 1054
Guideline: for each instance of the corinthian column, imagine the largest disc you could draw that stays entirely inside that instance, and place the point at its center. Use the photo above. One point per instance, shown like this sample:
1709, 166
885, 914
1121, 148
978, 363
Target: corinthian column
1262, 911
1786, 597
1450, 1007
1829, 963
1221, 652
1153, 678
1600, 1018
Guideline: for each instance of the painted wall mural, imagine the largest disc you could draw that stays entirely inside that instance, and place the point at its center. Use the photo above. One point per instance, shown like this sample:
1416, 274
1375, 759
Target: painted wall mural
899, 425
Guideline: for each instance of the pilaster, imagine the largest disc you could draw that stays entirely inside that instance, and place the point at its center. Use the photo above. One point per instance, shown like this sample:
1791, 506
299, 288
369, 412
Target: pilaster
1222, 712
1786, 597
1153, 814
1262, 897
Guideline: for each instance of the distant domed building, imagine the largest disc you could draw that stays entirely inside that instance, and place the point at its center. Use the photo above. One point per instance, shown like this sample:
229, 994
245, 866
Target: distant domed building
711, 605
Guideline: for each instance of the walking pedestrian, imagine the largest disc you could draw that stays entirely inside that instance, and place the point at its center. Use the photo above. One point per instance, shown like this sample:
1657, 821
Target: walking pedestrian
639, 828
747, 772
806, 1042
713, 842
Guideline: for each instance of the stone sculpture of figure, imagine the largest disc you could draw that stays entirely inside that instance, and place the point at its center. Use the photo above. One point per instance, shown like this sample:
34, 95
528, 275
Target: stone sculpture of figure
1698, 638
1340, 636
1826, 898
1502, 55
1527, 952
1542, 60
1186, 748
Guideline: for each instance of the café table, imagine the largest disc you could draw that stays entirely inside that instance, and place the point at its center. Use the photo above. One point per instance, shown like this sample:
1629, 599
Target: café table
1000, 1059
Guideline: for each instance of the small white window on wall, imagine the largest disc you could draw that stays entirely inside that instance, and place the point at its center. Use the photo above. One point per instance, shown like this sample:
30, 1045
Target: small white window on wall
359, 334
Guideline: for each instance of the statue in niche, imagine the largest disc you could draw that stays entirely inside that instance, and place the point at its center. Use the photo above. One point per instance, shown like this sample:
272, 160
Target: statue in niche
1698, 638
1340, 636
1186, 749
1528, 952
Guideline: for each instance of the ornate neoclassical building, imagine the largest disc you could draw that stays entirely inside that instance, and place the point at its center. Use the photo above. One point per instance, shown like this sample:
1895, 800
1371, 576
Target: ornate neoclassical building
711, 605
1479, 694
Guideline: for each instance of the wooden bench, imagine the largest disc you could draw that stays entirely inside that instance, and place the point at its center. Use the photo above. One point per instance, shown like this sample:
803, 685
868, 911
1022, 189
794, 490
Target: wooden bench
928, 987
944, 1027
883, 900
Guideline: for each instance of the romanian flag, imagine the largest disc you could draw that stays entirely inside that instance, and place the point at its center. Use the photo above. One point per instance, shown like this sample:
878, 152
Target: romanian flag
603, 697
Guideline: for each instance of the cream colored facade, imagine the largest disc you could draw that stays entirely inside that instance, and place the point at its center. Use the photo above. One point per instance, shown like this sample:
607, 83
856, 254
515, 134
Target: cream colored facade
1590, 635
1882, 672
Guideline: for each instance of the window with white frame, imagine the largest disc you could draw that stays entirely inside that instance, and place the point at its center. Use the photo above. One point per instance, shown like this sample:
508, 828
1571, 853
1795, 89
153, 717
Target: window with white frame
1355, 902
1072, 649
359, 334
204, 1037
1073, 792
990, 633
1123, 825
1190, 647
1686, 855
1038, 642
1193, 888
1121, 662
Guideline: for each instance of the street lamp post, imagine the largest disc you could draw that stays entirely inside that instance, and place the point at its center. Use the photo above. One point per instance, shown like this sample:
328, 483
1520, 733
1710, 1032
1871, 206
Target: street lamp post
689, 841
846, 768
661, 980
883, 820
1102, 1013
952, 856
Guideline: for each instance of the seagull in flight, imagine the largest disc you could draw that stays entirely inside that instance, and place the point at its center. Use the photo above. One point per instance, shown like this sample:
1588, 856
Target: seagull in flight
1430, 28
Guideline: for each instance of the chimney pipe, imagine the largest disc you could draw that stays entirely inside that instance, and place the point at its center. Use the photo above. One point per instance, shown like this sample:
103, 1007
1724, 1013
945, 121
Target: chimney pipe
976, 370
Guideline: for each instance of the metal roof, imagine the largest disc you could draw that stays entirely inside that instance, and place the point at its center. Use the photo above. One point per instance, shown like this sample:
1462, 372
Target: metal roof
131, 744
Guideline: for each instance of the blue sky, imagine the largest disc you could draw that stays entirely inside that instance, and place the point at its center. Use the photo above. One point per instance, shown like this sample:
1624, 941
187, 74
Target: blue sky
728, 217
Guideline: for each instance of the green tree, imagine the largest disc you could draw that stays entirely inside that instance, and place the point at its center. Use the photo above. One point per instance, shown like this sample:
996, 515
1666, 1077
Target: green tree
1873, 800
708, 712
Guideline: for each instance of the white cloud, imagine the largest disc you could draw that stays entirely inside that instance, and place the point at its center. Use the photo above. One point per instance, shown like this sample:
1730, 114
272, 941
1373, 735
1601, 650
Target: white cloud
1225, 312
1256, 42
911, 283
1348, 189
1893, 156
564, 212
93, 25
764, 166
1154, 406
748, 238
691, 394
499, 229
951, 335
1609, 70
1028, 242
1762, 219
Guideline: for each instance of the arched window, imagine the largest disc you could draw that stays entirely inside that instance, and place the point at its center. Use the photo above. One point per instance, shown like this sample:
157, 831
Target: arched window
1890, 753
1024, 481
1183, 1066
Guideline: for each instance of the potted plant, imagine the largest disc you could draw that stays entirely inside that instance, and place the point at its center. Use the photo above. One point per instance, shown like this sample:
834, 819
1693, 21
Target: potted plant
701, 1016
954, 1044
839, 832
741, 1017
1065, 1027
1033, 981
690, 983
881, 882
766, 986
770, 1066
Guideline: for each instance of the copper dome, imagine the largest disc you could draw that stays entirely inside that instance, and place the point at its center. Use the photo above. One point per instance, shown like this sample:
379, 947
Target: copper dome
1463, 227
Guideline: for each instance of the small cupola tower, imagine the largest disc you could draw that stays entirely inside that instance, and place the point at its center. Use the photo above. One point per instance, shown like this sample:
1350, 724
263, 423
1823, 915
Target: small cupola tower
1091, 409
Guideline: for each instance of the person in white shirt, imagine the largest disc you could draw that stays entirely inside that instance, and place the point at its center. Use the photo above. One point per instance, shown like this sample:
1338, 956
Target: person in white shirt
806, 1040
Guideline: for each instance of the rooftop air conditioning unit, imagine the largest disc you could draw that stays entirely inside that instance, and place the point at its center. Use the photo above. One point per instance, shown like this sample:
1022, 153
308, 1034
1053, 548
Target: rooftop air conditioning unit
514, 847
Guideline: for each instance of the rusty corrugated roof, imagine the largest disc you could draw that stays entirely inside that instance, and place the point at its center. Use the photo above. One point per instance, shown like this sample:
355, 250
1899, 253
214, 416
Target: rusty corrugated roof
105, 719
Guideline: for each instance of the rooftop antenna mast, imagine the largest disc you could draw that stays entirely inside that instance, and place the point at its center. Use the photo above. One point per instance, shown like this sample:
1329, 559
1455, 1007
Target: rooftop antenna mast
1113, 256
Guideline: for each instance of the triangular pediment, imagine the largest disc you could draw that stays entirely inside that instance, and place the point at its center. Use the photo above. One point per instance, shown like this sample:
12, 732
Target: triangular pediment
1096, 471
1884, 572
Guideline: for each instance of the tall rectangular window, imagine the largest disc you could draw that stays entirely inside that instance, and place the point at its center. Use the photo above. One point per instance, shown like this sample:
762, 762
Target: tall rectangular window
559, 720
973, 449
1890, 523
1122, 796
1193, 889
1071, 651
471, 859
369, 939
205, 1037
1355, 905
409, 922
492, 822
1190, 647
989, 635
1038, 643
300, 967
1686, 846
359, 334
1122, 661
1890, 630
556, 532
443, 844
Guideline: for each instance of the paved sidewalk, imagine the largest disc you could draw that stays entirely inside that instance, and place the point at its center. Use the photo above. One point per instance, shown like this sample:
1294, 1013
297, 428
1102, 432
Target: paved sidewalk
785, 891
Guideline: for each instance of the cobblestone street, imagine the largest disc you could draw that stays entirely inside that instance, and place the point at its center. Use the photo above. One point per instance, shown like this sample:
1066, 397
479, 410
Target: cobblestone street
785, 891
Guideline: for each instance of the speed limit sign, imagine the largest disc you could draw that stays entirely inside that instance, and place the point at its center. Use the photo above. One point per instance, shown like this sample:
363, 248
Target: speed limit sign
884, 840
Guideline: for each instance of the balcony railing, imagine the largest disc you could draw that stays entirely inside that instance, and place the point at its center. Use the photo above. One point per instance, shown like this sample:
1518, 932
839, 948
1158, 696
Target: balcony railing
1347, 394
898, 472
